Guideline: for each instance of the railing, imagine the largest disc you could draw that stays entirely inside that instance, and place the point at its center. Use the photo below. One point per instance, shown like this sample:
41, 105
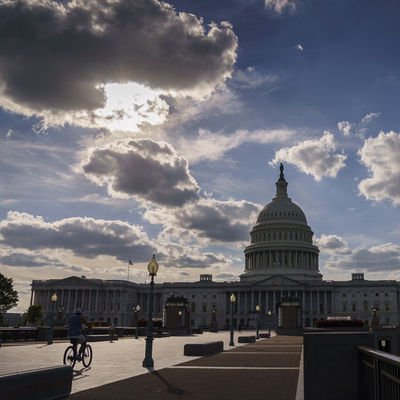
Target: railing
379, 375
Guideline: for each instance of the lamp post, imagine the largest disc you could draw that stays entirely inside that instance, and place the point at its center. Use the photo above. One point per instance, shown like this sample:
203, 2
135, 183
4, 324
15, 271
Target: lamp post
258, 309
269, 313
148, 361
136, 311
232, 299
53, 301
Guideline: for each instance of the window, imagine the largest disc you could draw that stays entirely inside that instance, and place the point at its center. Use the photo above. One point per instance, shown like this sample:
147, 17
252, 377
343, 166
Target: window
214, 296
344, 307
365, 306
193, 296
387, 306
193, 307
204, 308
377, 294
343, 294
386, 294
354, 307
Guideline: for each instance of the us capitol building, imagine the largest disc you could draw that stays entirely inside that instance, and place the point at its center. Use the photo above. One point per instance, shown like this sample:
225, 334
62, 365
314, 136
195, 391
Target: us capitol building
281, 284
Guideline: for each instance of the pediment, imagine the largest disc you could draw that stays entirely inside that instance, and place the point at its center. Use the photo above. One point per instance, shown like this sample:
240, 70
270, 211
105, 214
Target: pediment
76, 281
278, 280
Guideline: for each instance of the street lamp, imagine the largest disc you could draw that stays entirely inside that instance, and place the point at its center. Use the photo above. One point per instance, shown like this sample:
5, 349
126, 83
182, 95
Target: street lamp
148, 361
258, 309
232, 299
269, 313
50, 335
136, 311
180, 318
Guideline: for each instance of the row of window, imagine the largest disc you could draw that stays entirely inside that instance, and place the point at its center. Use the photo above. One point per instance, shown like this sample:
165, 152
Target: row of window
301, 236
377, 294
365, 307
204, 308
214, 296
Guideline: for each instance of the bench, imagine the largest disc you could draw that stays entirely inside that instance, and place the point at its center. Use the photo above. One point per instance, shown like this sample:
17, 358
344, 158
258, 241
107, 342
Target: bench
246, 339
264, 335
203, 349
38, 384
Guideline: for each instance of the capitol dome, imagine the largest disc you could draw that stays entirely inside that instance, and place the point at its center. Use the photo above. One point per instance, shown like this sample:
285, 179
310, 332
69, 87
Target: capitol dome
281, 240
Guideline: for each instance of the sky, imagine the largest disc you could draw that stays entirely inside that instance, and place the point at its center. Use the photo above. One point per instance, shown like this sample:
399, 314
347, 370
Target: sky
138, 127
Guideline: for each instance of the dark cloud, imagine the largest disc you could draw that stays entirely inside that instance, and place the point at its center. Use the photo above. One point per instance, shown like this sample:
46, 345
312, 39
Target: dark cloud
228, 221
55, 56
226, 276
204, 260
86, 237
142, 168
385, 257
18, 259
332, 244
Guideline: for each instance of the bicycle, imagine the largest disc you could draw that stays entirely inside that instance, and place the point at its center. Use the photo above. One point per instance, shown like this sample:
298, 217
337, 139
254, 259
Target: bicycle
70, 356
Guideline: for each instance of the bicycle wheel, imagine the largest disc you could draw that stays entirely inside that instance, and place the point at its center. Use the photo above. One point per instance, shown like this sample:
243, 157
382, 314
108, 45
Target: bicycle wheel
69, 356
87, 355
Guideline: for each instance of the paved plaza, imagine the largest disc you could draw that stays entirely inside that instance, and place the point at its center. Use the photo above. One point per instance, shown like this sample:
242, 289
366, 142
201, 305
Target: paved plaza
269, 366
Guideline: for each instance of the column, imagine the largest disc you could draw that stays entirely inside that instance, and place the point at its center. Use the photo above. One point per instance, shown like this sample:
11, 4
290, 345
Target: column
311, 305
245, 303
318, 302
274, 301
325, 303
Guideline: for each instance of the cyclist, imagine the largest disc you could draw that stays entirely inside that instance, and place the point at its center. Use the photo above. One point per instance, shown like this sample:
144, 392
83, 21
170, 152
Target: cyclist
75, 332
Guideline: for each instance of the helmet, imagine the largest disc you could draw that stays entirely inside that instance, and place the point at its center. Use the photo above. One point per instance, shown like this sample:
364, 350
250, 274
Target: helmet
78, 311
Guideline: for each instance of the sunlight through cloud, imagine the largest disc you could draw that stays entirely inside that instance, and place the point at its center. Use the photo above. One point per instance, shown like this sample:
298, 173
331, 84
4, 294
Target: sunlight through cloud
129, 105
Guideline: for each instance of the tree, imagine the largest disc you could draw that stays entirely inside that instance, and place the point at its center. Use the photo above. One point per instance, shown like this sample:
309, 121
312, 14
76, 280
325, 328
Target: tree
8, 296
33, 314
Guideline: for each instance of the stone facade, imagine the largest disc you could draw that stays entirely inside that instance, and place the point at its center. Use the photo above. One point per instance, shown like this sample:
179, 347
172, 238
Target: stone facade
281, 266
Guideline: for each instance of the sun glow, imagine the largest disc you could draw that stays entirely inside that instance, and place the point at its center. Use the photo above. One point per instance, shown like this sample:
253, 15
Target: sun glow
130, 104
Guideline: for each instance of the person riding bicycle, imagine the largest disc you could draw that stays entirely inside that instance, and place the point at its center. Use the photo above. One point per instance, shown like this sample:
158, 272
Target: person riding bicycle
75, 331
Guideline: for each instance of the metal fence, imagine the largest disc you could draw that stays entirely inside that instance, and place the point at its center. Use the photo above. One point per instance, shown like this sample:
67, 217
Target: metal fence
379, 375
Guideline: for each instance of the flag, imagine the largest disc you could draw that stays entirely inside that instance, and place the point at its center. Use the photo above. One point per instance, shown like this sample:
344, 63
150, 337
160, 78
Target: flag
130, 262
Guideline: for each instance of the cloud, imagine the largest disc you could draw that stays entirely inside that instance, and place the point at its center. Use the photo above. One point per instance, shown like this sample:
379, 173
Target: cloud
28, 259
57, 66
143, 169
381, 157
195, 259
84, 237
332, 244
369, 117
213, 145
384, 257
314, 157
279, 6
210, 219
345, 127
250, 78
299, 47
360, 128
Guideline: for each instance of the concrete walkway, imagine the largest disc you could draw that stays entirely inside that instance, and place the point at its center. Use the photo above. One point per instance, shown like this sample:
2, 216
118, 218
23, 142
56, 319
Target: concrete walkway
270, 366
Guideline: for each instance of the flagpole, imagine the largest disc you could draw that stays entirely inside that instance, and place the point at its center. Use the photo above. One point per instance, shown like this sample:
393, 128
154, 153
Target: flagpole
128, 269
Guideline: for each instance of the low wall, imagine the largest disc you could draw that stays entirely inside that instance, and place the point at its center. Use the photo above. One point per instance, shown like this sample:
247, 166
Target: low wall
203, 349
246, 339
331, 364
39, 384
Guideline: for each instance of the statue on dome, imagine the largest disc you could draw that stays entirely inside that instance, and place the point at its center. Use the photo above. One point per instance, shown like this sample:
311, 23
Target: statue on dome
281, 176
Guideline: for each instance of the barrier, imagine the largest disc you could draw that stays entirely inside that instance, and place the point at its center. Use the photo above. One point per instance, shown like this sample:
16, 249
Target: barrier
203, 349
246, 339
39, 384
